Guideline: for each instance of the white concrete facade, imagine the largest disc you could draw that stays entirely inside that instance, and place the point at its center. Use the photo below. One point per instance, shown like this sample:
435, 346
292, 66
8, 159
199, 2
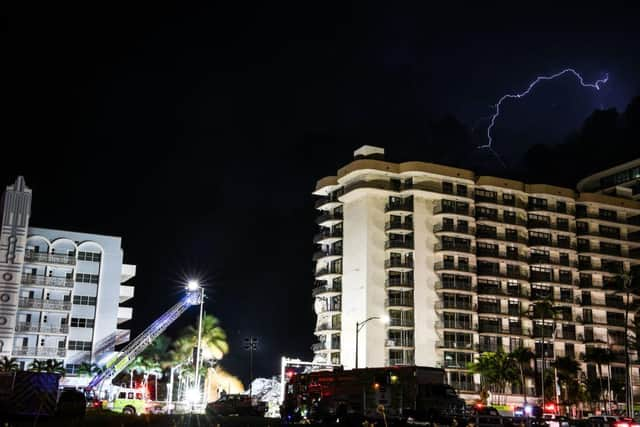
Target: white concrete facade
455, 261
68, 288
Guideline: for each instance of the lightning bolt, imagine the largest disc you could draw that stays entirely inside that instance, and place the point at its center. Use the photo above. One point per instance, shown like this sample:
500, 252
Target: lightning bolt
595, 85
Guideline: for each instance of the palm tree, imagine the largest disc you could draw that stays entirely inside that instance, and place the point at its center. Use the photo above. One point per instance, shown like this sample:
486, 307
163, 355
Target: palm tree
599, 356
522, 357
38, 366
87, 369
8, 365
158, 351
214, 340
55, 367
568, 370
629, 285
495, 370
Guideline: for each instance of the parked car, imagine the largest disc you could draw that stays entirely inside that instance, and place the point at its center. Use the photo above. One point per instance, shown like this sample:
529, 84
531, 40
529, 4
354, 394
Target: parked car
556, 420
485, 416
236, 404
611, 421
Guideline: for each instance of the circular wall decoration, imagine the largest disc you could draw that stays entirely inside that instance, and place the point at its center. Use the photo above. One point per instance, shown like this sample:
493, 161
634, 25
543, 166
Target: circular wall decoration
7, 277
5, 297
3, 321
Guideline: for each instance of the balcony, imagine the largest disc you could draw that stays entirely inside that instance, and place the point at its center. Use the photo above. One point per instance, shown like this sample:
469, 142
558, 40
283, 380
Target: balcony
456, 285
331, 254
328, 272
489, 346
466, 268
450, 228
329, 308
462, 326
399, 263
454, 305
533, 224
398, 226
634, 220
331, 290
401, 361
44, 304
319, 346
536, 259
463, 345
492, 328
39, 351
124, 314
399, 302
491, 308
399, 282
329, 327
126, 293
399, 343
550, 243
398, 244
327, 236
567, 210
45, 258
122, 336
44, 328
395, 322
511, 274
50, 282
328, 202
450, 246
457, 210
490, 290
403, 206
329, 218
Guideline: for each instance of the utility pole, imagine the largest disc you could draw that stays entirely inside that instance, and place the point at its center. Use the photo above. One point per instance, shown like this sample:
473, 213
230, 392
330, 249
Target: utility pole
250, 344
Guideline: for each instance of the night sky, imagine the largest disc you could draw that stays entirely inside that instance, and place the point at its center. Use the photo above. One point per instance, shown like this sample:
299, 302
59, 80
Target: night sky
197, 134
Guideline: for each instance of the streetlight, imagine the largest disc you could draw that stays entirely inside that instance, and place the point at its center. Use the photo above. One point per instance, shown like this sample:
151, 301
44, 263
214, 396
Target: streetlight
194, 286
360, 325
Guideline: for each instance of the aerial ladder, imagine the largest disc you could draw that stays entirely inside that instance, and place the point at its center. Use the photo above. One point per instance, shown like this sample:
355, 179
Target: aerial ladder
128, 354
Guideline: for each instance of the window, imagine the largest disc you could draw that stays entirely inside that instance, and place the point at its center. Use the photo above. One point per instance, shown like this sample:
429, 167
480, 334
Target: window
561, 207
82, 323
447, 187
508, 199
122, 395
537, 203
486, 196
72, 368
509, 217
462, 190
613, 232
607, 214
84, 300
562, 224
87, 278
80, 345
89, 256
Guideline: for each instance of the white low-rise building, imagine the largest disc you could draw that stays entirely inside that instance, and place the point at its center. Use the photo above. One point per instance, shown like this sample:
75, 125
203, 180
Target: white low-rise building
60, 291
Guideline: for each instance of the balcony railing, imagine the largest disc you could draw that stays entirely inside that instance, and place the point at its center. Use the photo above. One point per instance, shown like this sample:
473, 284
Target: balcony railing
44, 304
454, 285
330, 253
441, 265
401, 323
404, 206
54, 282
326, 200
454, 305
398, 244
438, 228
465, 386
398, 263
45, 329
319, 346
447, 246
634, 220
399, 343
459, 210
406, 282
333, 234
329, 326
490, 290
490, 328
31, 256
329, 216
547, 208
328, 270
398, 302
452, 324
454, 344
329, 308
319, 290
39, 351
398, 225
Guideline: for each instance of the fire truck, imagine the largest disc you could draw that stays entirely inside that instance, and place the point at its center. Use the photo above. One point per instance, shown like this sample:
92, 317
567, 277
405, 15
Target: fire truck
373, 394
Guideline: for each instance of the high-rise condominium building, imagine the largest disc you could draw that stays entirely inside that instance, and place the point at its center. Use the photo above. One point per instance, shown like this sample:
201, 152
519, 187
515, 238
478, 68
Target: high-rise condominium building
60, 291
456, 263
622, 180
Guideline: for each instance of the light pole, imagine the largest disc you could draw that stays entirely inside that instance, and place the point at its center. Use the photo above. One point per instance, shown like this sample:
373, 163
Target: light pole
360, 325
194, 286
250, 344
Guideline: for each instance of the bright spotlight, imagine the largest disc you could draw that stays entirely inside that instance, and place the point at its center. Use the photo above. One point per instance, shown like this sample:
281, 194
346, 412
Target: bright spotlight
385, 319
193, 285
192, 395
